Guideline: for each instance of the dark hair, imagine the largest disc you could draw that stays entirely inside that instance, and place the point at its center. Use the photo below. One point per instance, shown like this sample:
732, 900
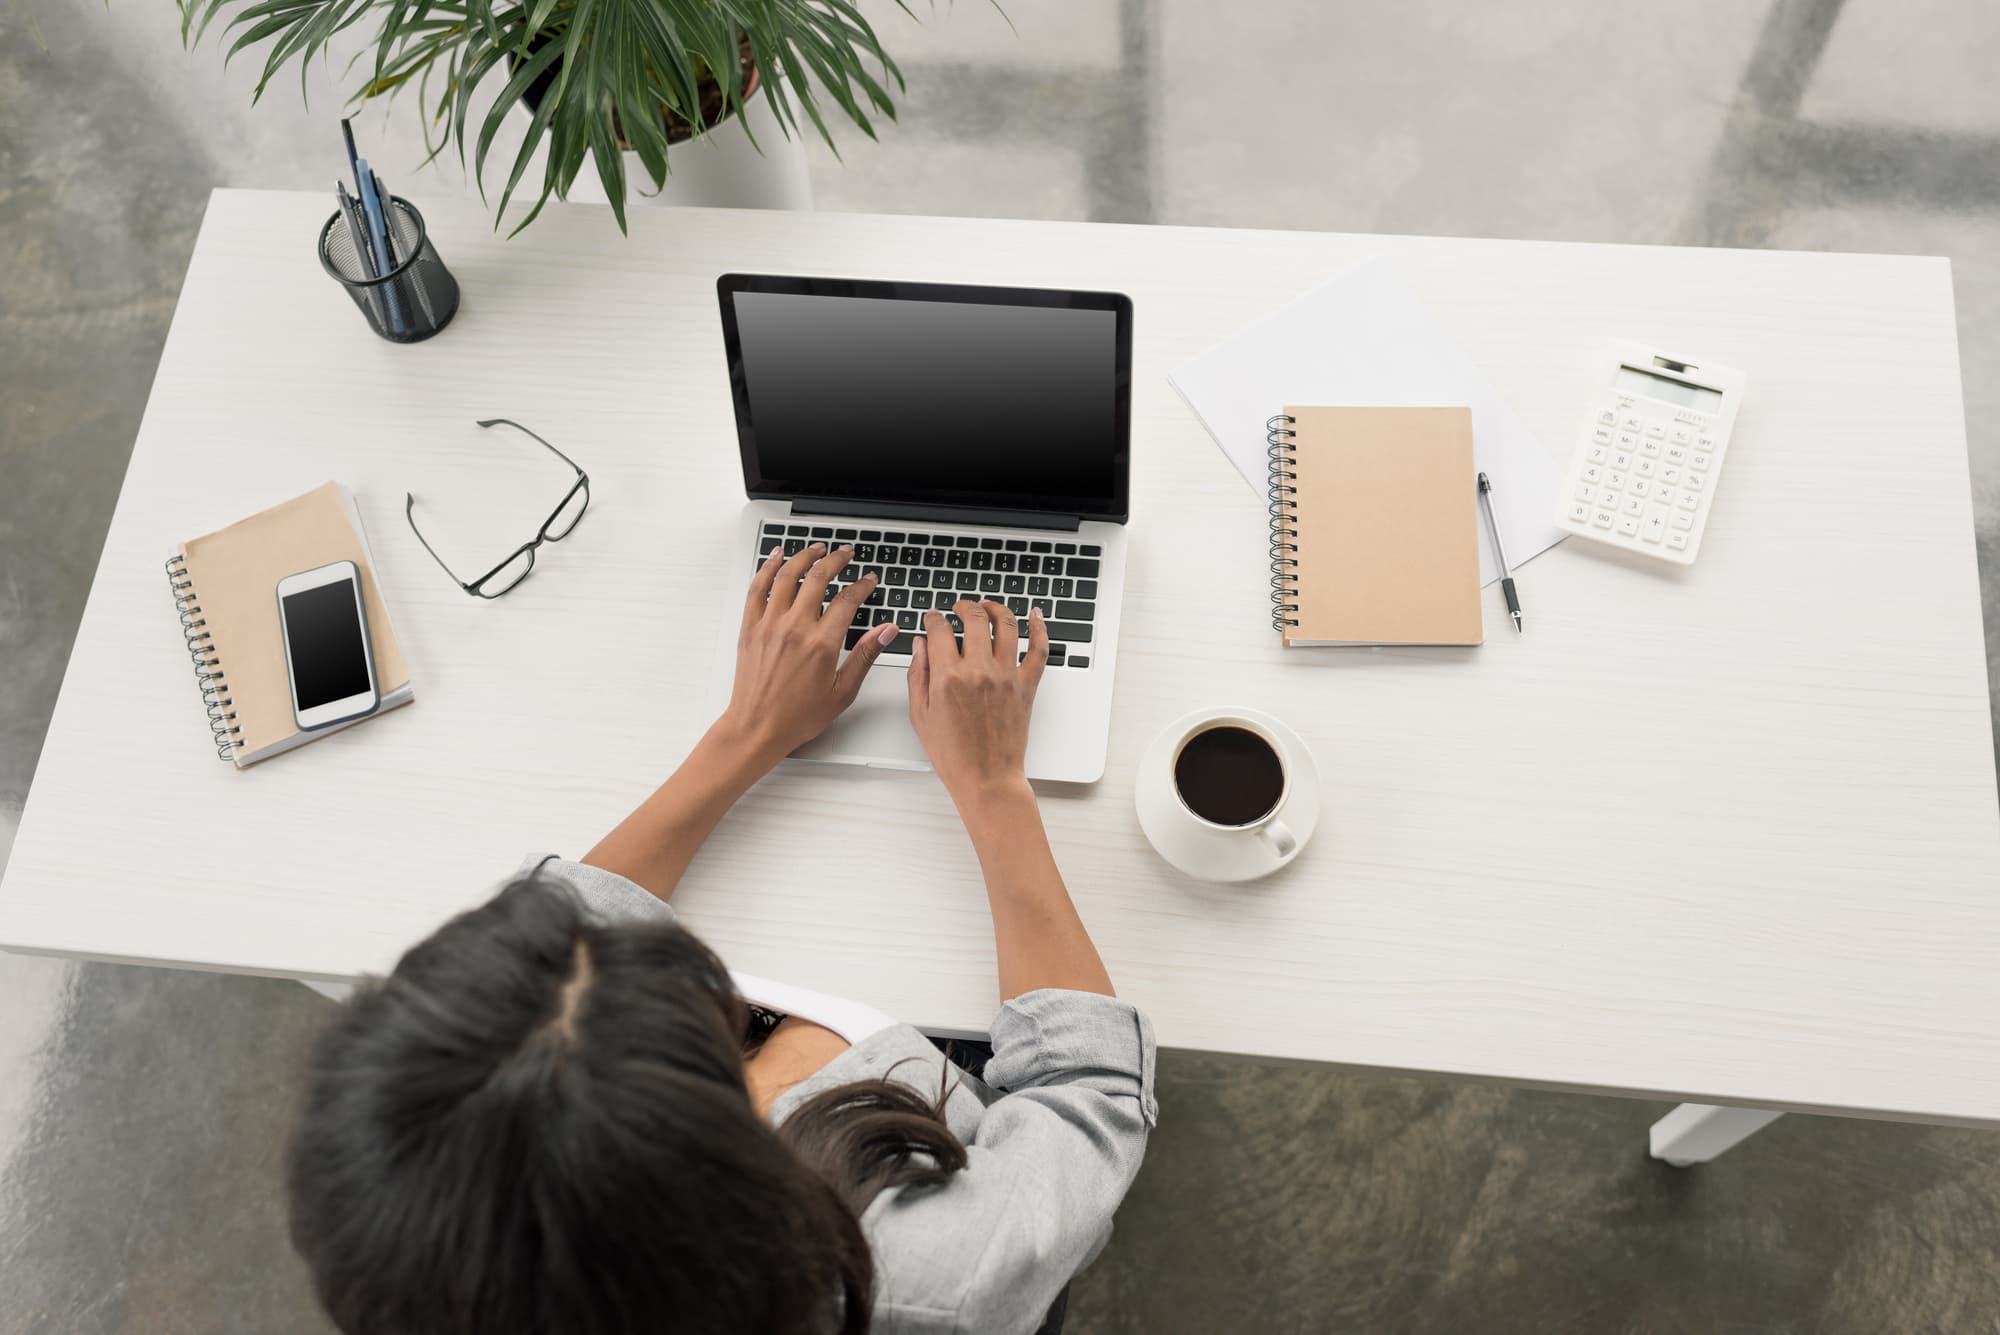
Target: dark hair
538, 1125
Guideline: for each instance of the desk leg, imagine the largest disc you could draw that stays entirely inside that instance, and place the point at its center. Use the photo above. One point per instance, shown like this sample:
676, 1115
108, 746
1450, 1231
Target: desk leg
333, 991
1696, 1132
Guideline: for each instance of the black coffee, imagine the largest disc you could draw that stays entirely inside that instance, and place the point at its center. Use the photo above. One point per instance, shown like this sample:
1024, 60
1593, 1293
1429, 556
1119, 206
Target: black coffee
1229, 775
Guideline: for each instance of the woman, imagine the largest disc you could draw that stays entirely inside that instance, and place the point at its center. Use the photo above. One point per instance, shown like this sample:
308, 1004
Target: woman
553, 1117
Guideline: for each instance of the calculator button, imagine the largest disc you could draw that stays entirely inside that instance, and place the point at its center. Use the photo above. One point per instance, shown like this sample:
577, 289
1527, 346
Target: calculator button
1628, 440
1596, 454
1677, 454
1670, 475
1607, 417
1593, 474
1615, 481
1602, 435
1683, 522
1704, 442
1585, 492
1664, 495
1630, 422
1645, 468
1653, 529
1629, 526
1633, 506
1607, 498
1656, 430
1694, 482
1638, 486
1688, 500
1652, 449
1603, 519
1621, 460
1579, 513
1681, 436
1701, 462
1677, 541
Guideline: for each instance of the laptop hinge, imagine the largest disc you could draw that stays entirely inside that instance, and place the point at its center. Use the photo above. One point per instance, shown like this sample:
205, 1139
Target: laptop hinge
935, 514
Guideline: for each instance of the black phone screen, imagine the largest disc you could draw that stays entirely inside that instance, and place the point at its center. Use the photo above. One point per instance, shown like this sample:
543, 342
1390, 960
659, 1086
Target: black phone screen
323, 637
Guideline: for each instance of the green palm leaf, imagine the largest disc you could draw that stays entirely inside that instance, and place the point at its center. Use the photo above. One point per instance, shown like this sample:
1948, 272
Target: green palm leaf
616, 66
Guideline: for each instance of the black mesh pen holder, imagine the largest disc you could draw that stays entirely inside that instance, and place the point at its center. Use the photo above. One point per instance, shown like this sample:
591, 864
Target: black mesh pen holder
414, 299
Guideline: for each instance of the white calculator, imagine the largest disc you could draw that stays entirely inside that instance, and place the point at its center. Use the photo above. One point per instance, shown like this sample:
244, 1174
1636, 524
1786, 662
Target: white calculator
1644, 474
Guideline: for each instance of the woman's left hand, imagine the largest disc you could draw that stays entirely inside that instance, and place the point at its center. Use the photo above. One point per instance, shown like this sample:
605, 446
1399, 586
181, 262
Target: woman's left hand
790, 681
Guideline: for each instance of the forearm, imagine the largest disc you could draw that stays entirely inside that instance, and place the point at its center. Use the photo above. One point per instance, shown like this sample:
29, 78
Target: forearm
1040, 940
654, 844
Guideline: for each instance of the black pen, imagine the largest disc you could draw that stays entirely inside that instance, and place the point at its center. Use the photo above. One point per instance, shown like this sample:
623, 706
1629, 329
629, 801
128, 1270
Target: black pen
357, 230
353, 158
1500, 550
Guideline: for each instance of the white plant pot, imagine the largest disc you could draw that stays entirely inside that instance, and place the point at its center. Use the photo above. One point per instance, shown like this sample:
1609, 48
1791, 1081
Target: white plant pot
721, 168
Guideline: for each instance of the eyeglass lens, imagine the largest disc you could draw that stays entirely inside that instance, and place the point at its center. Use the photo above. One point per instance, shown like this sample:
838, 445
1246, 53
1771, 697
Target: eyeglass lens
572, 510
507, 576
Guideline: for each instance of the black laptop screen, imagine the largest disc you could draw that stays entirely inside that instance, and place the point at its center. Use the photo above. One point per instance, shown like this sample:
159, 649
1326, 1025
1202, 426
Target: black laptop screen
991, 398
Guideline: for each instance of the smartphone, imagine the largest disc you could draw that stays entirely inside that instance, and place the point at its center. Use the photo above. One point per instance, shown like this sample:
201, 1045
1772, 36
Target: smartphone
327, 653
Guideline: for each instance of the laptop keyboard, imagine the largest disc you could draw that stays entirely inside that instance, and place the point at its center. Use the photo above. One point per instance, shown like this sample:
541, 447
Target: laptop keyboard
929, 569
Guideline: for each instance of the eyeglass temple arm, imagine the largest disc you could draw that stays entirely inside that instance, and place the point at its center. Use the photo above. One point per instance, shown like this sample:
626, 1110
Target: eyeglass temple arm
508, 421
409, 513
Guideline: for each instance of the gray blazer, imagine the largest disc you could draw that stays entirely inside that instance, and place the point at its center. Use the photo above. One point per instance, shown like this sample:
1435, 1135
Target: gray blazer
1053, 1135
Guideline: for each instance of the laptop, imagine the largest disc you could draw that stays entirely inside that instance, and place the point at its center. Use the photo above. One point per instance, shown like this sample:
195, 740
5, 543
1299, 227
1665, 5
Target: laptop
970, 442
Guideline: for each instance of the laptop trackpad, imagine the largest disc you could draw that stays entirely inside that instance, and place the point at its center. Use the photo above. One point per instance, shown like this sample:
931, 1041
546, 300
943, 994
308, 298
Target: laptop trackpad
875, 729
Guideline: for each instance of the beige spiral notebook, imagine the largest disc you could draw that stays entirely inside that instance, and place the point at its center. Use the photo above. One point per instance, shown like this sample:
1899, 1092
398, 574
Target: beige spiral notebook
226, 587
1375, 528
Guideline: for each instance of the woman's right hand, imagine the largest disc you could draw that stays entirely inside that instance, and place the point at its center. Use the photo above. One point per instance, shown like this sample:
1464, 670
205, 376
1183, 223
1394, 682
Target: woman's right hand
970, 707
790, 679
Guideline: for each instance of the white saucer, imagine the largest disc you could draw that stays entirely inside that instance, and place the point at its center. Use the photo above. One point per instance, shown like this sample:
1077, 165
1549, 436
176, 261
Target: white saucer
1207, 853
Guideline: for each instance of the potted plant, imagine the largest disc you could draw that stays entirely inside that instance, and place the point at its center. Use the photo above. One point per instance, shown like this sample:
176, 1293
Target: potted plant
603, 80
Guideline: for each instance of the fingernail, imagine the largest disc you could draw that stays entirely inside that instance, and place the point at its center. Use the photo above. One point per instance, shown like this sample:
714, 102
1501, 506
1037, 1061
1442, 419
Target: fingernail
846, 546
887, 633
1034, 614
818, 547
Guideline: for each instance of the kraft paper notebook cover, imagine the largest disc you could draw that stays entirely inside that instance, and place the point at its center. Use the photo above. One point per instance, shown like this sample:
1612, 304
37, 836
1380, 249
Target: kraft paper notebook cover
1379, 507
226, 587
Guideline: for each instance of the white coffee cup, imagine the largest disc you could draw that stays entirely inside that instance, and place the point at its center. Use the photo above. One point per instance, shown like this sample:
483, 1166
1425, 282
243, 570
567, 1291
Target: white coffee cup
1225, 806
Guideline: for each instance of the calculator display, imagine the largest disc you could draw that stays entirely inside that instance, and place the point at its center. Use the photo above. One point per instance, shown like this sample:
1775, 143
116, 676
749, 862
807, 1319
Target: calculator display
1634, 381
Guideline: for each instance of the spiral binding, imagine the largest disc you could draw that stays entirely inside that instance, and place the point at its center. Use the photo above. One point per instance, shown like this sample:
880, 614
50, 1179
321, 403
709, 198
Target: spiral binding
1284, 514
215, 697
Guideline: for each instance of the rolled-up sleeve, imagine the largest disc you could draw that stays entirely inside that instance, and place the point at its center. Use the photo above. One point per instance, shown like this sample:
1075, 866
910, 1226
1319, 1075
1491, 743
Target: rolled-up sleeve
1075, 1041
1047, 1167
608, 896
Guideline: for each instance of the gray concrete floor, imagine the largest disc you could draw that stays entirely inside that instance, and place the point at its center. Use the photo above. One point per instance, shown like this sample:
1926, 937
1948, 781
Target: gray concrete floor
142, 1112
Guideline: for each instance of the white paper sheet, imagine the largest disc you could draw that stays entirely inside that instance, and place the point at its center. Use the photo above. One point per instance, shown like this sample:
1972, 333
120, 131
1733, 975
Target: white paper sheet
1364, 339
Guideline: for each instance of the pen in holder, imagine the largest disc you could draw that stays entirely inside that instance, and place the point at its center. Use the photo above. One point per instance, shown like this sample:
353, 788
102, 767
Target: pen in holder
416, 298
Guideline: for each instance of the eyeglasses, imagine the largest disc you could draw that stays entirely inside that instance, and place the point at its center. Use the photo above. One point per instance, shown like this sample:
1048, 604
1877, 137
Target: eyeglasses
555, 528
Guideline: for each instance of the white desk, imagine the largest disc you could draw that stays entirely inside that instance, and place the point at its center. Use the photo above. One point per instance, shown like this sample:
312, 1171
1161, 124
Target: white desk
1728, 836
